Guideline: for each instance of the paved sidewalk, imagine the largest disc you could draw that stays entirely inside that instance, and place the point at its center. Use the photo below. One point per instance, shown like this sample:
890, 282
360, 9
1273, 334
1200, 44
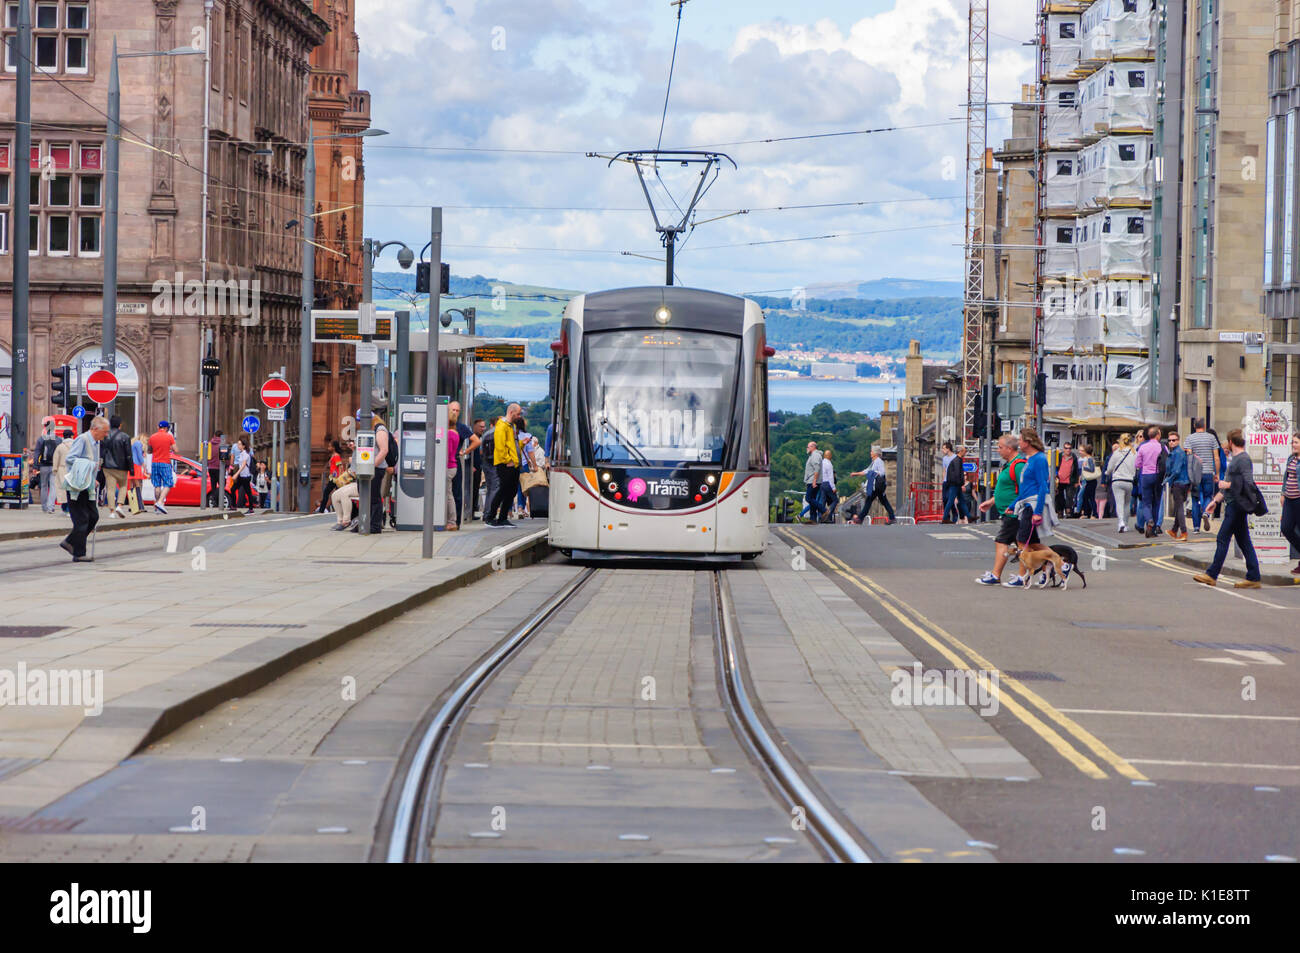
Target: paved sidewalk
173, 634
33, 523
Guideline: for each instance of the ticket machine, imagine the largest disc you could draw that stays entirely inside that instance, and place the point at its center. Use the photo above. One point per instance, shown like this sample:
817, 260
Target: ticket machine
412, 416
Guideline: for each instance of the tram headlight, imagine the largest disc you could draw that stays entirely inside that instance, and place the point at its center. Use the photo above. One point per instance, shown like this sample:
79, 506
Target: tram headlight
712, 479
663, 315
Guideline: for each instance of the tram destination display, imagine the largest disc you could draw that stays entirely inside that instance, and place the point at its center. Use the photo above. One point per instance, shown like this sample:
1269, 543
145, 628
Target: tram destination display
329, 327
501, 354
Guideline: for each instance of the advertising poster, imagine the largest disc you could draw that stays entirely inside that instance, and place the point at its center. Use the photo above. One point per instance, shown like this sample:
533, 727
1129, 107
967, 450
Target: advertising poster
1269, 425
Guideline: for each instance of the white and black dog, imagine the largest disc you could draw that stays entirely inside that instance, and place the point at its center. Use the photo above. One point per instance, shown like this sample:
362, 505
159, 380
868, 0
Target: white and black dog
1050, 575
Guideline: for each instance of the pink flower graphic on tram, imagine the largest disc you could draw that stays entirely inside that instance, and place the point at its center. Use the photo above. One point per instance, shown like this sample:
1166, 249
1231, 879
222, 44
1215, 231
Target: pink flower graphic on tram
635, 489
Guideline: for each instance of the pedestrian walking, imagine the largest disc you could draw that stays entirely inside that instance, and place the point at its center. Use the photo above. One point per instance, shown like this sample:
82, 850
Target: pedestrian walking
116, 454
505, 459
466, 442
61, 470
1089, 477
385, 462
453, 468
1005, 492
1148, 463
1033, 508
82, 460
1180, 483
241, 461
829, 495
1067, 481
213, 467
812, 477
1123, 471
953, 478
1243, 498
263, 486
874, 489
1205, 448
43, 453
1291, 498
161, 473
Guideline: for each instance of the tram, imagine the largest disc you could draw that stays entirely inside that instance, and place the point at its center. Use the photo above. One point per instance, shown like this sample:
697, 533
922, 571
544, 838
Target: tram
660, 426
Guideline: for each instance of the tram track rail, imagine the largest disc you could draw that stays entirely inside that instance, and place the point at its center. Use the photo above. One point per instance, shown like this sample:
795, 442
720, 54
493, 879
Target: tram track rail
413, 803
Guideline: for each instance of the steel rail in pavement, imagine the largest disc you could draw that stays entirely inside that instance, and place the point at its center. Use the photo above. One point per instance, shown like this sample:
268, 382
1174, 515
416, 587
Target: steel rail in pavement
408, 839
834, 838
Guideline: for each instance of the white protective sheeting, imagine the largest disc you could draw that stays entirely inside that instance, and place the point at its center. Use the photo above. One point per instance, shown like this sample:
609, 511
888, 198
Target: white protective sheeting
1118, 96
1061, 257
1125, 313
1116, 169
1063, 117
1061, 188
1064, 41
1075, 385
1127, 379
1070, 318
1117, 242
1114, 28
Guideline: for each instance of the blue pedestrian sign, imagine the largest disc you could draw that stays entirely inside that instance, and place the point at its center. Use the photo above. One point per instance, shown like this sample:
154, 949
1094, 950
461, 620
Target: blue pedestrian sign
969, 466
78, 411
252, 424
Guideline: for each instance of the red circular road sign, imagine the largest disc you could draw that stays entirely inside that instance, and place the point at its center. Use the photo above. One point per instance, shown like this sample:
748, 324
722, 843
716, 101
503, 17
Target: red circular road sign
101, 387
276, 393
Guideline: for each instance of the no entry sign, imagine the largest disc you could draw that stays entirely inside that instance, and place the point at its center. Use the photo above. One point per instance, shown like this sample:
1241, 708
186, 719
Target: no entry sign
101, 387
276, 393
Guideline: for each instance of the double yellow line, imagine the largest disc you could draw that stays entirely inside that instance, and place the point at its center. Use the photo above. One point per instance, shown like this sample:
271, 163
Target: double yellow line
1072, 741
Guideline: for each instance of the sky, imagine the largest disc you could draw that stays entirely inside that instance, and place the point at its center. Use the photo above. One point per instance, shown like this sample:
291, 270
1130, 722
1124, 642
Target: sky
554, 79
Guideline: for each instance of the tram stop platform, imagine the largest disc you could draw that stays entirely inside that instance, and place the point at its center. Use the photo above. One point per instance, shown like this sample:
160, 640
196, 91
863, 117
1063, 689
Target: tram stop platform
159, 638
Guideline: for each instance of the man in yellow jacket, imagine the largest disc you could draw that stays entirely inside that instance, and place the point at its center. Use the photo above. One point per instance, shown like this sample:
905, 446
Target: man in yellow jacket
505, 457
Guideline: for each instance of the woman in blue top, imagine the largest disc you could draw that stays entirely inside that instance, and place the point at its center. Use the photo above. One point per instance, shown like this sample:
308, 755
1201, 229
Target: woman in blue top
1032, 500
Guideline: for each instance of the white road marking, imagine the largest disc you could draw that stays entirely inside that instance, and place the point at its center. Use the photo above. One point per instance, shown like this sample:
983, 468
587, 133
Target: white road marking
173, 538
1177, 714
1215, 764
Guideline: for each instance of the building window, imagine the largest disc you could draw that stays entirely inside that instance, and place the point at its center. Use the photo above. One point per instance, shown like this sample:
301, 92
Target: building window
58, 198
1128, 152
60, 36
1270, 199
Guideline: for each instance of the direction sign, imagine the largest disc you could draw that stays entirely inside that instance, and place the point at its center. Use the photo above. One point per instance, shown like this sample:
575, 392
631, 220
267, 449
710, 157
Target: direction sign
274, 414
78, 411
276, 393
969, 466
101, 387
251, 424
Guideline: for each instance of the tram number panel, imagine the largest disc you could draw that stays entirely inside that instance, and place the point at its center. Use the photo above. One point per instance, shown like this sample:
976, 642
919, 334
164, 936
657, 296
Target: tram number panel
684, 488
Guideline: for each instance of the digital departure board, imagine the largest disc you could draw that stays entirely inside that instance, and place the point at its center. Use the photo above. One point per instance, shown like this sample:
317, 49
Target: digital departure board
501, 354
332, 326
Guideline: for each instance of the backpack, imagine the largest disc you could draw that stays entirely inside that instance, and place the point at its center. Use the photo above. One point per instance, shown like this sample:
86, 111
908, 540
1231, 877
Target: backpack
45, 448
1195, 469
390, 458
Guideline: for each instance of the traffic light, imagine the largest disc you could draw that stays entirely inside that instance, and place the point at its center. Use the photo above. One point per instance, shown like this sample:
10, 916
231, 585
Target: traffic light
422, 272
981, 412
1040, 389
60, 392
997, 413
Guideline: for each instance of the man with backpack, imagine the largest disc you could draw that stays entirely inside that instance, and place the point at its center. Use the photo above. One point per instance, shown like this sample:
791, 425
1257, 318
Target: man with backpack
1178, 479
116, 453
1205, 448
1244, 500
385, 461
43, 453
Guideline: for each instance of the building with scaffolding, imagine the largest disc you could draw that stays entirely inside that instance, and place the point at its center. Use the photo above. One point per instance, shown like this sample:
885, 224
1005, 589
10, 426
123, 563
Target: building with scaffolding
1095, 183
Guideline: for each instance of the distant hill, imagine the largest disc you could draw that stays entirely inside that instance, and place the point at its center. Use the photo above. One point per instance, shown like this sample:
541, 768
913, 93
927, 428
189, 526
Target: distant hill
887, 289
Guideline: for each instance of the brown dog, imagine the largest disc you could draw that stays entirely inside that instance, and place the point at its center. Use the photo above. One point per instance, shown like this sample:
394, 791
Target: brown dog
1033, 561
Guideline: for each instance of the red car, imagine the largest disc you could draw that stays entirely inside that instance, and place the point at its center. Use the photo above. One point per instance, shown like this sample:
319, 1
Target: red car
187, 489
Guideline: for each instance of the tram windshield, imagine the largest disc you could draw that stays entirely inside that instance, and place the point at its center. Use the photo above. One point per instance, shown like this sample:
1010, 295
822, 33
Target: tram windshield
660, 398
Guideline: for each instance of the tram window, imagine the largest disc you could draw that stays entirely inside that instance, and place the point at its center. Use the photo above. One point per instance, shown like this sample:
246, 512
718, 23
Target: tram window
758, 420
659, 398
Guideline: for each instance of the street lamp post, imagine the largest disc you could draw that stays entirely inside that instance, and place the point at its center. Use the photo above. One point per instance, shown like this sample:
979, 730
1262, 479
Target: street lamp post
111, 175
308, 301
370, 252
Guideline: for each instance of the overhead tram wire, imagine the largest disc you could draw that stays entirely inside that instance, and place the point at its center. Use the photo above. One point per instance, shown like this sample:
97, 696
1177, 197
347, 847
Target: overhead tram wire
681, 5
